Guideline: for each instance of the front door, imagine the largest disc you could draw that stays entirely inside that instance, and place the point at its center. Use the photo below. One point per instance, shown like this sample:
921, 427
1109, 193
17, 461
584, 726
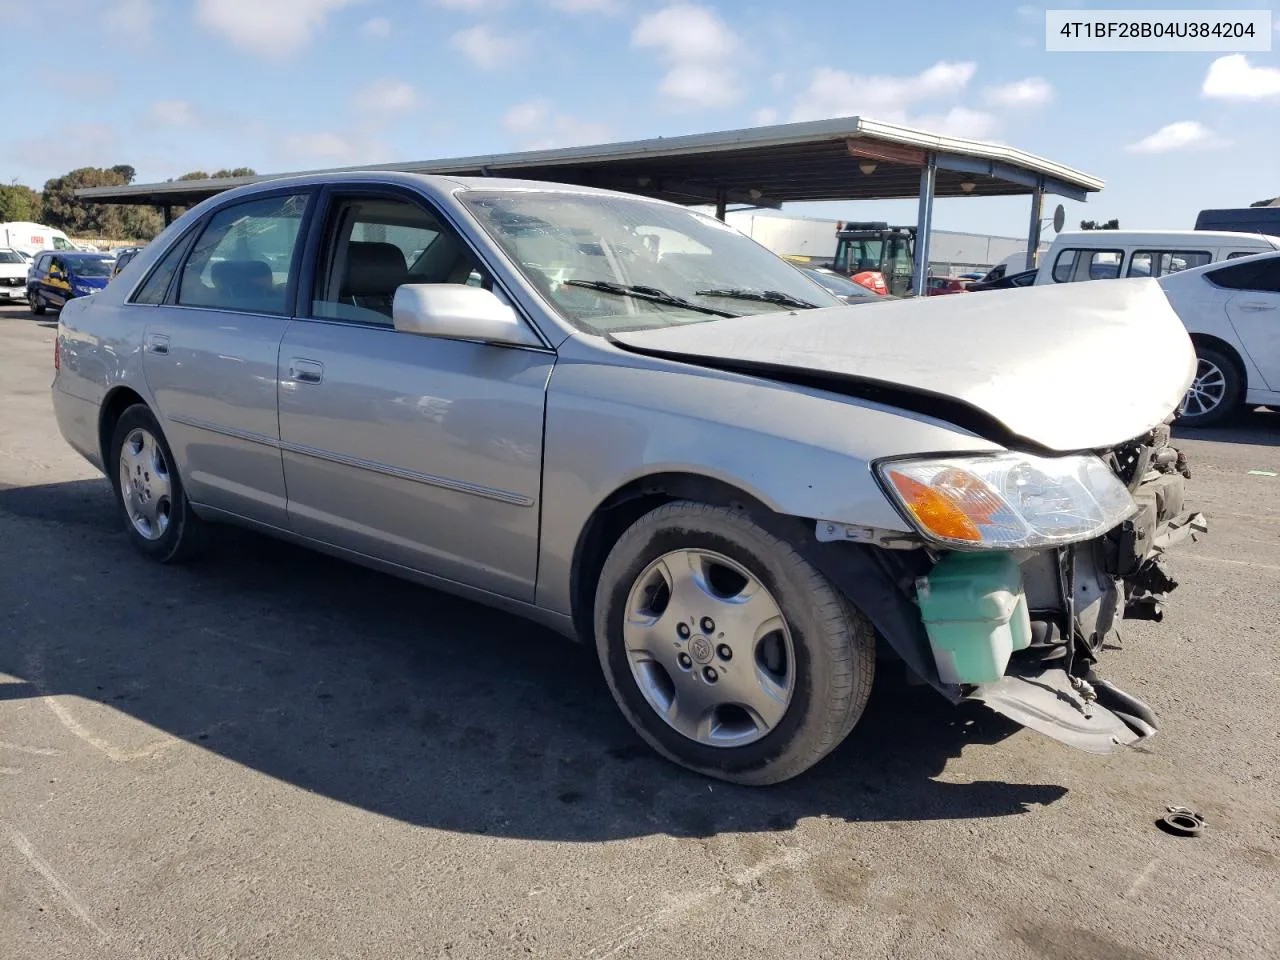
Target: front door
210, 351
420, 451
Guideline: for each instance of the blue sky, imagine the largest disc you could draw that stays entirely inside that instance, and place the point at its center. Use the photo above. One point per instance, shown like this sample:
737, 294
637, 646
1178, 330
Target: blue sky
174, 85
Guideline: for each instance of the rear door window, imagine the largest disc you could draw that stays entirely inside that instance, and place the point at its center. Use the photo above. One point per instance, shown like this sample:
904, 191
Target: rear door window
243, 259
1260, 275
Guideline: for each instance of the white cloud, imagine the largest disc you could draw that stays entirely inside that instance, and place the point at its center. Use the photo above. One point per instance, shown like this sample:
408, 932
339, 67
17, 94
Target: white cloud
385, 96
1028, 11
473, 6
958, 122
777, 81
587, 6
131, 19
1183, 135
486, 48
376, 28
837, 93
1233, 77
174, 113
539, 127
685, 32
700, 85
698, 47
1031, 92
273, 28
327, 147
764, 116
67, 147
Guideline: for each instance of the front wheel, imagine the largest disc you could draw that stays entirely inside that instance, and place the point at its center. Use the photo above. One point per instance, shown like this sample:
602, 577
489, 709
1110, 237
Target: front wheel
1216, 393
37, 305
725, 649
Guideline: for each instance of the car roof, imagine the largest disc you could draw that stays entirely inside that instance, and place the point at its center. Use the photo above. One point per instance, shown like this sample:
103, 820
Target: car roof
1129, 237
1188, 275
432, 183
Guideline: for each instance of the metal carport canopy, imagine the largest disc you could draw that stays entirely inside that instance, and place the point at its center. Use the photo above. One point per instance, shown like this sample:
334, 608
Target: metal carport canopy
848, 158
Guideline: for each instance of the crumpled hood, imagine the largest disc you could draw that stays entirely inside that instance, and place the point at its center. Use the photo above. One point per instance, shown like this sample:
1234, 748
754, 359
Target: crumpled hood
1068, 367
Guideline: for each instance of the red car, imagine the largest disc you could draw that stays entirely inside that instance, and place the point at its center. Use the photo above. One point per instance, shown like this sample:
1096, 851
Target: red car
938, 286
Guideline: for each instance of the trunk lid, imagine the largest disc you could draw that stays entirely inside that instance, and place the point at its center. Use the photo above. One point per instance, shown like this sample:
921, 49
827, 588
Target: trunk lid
1066, 367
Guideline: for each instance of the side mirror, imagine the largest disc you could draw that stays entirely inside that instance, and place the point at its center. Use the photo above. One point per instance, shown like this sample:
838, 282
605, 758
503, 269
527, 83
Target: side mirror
455, 311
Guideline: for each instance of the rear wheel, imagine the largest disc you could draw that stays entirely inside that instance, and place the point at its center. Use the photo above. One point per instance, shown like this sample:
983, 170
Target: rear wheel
37, 304
149, 491
1216, 393
725, 649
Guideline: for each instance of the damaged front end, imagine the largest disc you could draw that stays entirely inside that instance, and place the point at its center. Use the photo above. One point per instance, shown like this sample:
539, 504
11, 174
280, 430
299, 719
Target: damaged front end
1022, 629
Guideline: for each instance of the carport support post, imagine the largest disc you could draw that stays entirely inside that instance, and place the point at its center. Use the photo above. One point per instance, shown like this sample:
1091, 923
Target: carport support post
168, 214
1033, 233
924, 224
722, 201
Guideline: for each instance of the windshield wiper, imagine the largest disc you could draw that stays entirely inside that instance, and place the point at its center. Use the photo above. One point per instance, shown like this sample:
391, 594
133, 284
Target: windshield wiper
763, 296
649, 294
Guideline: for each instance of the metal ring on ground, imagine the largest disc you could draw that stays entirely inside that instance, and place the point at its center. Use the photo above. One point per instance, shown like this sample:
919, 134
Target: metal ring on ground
1182, 822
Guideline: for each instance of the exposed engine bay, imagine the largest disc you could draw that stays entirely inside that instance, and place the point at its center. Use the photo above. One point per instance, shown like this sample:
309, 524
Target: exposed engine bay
1077, 595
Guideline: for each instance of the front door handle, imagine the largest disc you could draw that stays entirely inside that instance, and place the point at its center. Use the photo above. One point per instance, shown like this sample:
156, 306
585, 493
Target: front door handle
157, 343
306, 371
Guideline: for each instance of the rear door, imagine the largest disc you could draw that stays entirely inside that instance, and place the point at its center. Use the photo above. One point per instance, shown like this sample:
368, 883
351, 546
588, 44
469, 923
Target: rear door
222, 300
416, 450
1253, 307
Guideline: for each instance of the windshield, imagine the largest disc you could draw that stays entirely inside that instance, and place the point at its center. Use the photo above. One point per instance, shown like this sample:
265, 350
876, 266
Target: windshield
840, 286
10, 256
568, 244
90, 266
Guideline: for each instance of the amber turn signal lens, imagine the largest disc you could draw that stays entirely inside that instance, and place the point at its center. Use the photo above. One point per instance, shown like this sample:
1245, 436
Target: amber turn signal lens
935, 511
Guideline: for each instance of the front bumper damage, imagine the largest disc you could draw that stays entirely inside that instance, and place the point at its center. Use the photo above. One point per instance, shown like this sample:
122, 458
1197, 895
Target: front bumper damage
1053, 686
1076, 596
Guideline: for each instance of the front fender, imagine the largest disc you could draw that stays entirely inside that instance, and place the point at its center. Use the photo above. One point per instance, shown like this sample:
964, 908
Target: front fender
800, 452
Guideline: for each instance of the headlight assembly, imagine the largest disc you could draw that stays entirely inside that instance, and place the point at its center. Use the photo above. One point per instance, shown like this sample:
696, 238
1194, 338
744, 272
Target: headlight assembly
1007, 501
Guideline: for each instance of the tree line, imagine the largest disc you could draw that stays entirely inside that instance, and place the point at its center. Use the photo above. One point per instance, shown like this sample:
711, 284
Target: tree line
57, 205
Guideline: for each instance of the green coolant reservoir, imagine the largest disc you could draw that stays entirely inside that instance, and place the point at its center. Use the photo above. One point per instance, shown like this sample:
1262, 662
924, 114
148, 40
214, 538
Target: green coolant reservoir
975, 613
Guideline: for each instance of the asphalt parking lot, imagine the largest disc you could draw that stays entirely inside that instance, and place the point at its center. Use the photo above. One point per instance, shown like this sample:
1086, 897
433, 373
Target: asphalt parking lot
274, 754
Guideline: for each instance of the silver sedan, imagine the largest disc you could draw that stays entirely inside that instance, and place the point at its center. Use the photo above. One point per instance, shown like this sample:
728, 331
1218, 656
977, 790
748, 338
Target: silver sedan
625, 420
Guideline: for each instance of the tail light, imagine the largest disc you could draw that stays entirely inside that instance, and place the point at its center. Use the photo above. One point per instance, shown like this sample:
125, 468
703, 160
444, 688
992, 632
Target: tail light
57, 353
872, 280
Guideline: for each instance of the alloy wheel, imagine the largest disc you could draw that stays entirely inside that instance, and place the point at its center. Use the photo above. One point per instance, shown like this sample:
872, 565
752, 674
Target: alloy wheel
145, 487
1207, 390
709, 648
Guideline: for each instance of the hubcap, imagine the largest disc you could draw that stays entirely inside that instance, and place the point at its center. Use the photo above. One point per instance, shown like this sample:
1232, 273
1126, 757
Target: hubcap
145, 487
709, 648
1207, 390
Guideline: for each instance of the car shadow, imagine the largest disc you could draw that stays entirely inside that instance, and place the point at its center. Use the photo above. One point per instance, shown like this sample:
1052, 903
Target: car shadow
406, 701
1258, 427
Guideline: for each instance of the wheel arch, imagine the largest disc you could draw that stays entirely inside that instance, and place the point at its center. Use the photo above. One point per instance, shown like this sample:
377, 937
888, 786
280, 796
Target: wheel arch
627, 504
1227, 349
114, 404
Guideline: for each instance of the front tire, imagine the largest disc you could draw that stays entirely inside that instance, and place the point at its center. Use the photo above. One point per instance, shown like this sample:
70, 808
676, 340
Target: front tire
157, 515
725, 649
1217, 392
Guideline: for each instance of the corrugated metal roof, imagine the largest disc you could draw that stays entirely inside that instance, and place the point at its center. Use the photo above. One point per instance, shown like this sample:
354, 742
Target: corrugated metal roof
766, 166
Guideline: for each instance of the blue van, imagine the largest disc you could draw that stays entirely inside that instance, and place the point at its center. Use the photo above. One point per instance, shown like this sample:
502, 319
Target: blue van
56, 277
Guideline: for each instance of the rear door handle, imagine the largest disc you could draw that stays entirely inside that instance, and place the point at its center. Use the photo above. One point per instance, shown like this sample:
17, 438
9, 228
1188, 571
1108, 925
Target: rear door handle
306, 371
157, 343
1256, 305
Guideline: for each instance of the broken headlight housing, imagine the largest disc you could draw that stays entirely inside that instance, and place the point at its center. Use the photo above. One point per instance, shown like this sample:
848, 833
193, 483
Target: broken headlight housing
1007, 501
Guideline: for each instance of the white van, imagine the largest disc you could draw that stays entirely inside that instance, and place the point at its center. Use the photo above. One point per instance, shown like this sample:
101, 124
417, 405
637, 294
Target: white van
33, 237
1108, 254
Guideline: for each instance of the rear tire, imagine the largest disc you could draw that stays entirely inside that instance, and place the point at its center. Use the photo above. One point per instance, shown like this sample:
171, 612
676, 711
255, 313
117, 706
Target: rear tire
149, 493
791, 661
37, 305
1217, 393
